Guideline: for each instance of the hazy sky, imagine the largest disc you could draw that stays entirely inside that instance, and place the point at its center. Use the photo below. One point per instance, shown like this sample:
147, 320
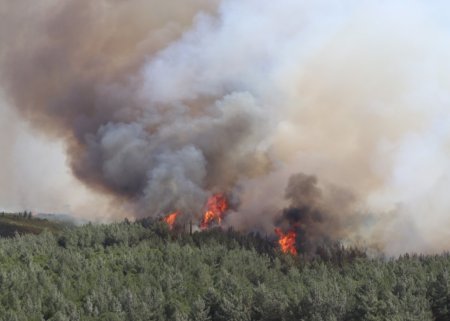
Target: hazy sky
35, 175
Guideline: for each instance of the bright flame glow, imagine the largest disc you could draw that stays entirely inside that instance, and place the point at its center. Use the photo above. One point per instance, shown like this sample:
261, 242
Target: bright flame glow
287, 241
216, 207
171, 218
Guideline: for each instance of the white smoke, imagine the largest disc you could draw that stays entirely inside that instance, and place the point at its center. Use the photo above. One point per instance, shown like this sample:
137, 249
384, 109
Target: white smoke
357, 93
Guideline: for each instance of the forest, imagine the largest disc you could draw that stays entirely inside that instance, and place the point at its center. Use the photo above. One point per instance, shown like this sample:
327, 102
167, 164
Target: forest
142, 270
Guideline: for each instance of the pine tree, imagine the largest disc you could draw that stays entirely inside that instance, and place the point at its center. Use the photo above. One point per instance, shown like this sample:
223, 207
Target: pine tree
199, 311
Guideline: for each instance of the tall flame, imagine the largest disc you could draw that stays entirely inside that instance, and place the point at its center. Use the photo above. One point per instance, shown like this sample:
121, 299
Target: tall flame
216, 207
287, 241
171, 218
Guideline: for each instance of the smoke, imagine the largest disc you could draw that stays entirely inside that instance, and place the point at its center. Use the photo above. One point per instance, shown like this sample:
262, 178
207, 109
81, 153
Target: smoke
161, 104
318, 215
34, 175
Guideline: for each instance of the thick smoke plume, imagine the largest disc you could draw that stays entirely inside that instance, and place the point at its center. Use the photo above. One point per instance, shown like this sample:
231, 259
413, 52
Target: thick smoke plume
318, 215
160, 104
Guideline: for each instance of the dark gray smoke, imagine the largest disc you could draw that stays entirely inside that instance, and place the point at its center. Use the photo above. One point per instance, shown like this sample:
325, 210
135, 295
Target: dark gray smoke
162, 103
318, 215
158, 156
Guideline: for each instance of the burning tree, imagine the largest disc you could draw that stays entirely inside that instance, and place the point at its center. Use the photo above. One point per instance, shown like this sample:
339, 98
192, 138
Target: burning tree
216, 208
287, 241
171, 218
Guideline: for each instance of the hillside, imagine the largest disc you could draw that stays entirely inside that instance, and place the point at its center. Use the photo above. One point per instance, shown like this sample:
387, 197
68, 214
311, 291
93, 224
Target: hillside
142, 271
24, 223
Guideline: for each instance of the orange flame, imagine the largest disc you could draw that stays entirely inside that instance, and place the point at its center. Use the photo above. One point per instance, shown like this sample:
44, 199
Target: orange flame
216, 207
287, 241
171, 218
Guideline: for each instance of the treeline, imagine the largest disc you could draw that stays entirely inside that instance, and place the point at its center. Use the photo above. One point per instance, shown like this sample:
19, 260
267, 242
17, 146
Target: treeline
24, 223
24, 214
143, 271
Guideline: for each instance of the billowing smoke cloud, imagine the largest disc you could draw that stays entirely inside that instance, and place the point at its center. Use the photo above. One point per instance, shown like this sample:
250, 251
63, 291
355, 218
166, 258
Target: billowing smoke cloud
318, 215
162, 103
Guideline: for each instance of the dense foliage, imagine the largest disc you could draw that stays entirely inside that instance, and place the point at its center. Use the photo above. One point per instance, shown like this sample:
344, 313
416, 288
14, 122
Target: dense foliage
142, 271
